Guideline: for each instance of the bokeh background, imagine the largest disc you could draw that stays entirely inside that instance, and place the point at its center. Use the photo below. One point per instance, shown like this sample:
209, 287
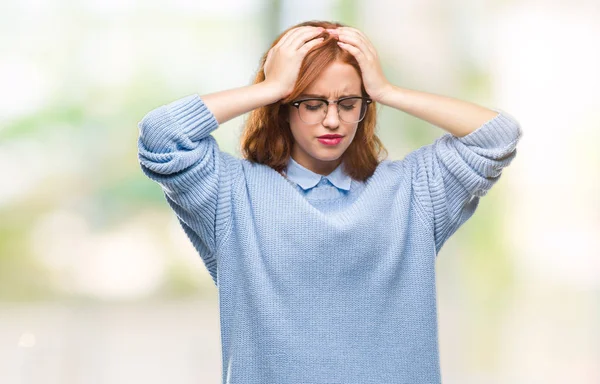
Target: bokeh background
98, 283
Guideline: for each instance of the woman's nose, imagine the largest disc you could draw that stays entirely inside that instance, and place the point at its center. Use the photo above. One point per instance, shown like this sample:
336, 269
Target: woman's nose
332, 119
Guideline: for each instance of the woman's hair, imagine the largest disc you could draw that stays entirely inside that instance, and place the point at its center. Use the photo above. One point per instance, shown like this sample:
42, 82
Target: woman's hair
267, 138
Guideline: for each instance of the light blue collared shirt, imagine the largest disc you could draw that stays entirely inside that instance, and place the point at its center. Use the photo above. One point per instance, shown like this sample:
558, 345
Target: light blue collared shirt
307, 179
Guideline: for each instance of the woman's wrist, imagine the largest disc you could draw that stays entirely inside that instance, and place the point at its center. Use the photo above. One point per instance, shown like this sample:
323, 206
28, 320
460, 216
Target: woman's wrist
271, 91
228, 104
385, 96
455, 116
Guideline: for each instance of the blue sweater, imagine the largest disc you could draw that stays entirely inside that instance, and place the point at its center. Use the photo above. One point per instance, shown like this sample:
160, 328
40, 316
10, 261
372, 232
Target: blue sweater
322, 287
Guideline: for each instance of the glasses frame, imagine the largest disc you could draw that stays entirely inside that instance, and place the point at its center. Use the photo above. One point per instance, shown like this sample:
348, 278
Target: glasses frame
367, 101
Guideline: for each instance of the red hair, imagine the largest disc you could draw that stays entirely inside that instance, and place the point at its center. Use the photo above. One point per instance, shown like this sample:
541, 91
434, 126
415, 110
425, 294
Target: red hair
267, 138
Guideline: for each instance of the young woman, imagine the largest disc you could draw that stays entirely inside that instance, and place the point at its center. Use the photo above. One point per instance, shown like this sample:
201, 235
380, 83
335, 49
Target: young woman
322, 252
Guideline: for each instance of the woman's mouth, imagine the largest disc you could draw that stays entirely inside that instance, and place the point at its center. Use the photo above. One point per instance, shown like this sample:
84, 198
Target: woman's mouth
330, 139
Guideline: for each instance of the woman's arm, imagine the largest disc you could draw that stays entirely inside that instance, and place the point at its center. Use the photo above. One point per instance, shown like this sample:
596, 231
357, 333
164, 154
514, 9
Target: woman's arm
455, 116
281, 71
451, 174
225, 105
176, 148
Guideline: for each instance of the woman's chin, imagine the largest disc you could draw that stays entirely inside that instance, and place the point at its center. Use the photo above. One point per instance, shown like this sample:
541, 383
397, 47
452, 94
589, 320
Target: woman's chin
329, 159
329, 155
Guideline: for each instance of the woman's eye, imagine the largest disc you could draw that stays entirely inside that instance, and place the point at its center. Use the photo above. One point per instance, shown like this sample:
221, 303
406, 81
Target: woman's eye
348, 105
313, 106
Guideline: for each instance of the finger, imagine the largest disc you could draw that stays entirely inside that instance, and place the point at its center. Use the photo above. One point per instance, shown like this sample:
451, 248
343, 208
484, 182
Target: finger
301, 38
357, 43
266, 64
348, 31
352, 31
357, 53
310, 45
291, 34
285, 37
365, 42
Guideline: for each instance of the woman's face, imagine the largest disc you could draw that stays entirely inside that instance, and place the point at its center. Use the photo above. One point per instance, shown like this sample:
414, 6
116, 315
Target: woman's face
319, 155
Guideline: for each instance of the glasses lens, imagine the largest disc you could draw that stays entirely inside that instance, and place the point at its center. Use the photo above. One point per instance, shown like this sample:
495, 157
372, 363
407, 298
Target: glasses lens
312, 111
352, 110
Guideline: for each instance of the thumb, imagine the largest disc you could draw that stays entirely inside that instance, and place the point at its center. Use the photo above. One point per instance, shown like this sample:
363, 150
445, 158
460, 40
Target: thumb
267, 62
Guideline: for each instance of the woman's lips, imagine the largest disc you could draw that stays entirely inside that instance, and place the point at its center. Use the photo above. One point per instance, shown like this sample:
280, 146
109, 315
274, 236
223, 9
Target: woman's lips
330, 140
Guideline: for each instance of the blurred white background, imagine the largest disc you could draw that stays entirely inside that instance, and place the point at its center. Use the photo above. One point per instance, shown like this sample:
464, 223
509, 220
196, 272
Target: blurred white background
98, 283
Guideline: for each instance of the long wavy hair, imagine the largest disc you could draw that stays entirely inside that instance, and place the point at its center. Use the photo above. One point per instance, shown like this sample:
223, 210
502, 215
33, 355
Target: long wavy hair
267, 138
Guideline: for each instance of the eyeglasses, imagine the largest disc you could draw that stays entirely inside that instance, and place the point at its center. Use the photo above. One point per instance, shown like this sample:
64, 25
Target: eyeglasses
351, 109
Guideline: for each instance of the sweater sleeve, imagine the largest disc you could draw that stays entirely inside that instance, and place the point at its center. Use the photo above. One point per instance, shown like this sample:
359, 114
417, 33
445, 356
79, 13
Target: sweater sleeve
450, 175
176, 150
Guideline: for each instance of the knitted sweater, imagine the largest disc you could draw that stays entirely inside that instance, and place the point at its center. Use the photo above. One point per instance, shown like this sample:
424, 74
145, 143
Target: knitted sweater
320, 290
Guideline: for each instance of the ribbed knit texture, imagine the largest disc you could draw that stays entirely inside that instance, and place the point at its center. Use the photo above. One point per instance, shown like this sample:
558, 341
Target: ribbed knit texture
318, 291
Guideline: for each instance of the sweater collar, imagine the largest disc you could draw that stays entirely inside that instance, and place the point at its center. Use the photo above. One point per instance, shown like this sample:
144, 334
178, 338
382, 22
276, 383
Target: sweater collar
307, 179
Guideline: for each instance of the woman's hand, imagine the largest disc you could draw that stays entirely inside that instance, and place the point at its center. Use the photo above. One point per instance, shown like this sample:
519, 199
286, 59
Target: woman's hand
357, 44
281, 69
455, 116
283, 61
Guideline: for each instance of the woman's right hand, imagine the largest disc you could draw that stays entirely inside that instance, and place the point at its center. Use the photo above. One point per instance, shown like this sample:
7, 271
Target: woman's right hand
283, 61
281, 69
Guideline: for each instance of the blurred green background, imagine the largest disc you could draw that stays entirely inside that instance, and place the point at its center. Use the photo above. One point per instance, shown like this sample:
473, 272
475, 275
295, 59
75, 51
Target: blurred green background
98, 283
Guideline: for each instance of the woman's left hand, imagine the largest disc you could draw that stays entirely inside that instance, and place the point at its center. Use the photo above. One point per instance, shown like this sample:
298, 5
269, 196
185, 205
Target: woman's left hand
357, 44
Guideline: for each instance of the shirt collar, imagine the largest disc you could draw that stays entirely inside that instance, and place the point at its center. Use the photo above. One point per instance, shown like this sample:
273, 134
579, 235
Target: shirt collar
307, 179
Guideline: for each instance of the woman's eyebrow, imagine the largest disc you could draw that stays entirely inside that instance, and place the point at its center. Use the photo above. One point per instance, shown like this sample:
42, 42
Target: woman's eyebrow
311, 95
304, 95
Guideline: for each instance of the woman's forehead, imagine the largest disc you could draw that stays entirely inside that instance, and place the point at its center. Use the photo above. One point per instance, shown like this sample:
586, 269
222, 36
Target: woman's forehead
336, 80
